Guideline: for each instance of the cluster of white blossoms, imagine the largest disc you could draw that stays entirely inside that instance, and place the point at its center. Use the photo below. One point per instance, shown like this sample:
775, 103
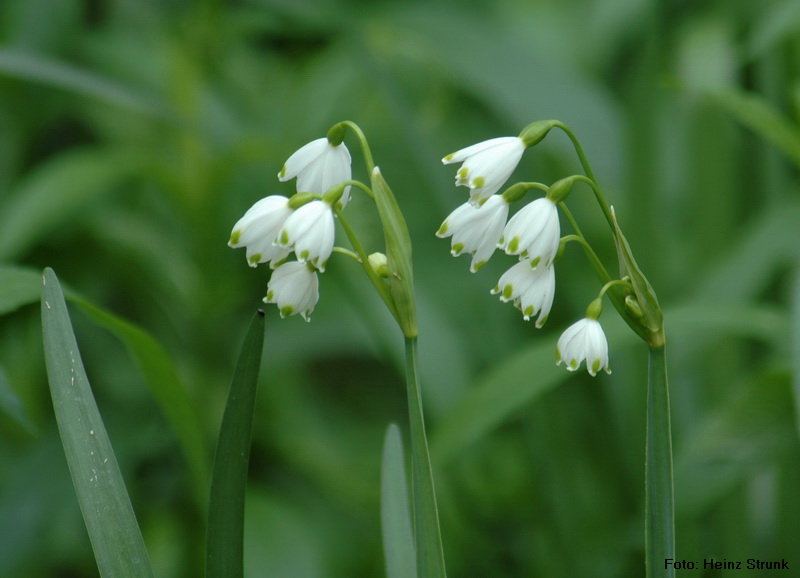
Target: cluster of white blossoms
533, 234
276, 226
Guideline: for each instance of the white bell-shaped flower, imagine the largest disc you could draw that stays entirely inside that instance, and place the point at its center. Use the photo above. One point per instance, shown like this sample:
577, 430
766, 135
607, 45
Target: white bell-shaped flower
310, 232
534, 232
531, 289
318, 166
294, 288
258, 231
476, 230
584, 340
487, 165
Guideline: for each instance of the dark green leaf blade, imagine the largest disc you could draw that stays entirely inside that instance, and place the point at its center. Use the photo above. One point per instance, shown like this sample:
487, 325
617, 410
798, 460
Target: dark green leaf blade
225, 544
116, 540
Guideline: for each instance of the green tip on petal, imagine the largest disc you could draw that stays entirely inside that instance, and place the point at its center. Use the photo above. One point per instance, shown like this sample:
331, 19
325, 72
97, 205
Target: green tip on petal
286, 311
540, 323
270, 296
508, 291
535, 262
573, 365
304, 255
595, 367
458, 248
284, 237
558, 356
529, 310
448, 158
478, 182
443, 229
462, 173
513, 245
478, 265
254, 259
282, 173
235, 236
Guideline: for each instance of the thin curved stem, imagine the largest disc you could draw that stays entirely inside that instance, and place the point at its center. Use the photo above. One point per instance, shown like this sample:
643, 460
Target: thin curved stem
362, 141
598, 194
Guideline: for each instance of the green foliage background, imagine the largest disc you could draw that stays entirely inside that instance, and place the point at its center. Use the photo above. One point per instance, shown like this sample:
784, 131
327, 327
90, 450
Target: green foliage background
133, 134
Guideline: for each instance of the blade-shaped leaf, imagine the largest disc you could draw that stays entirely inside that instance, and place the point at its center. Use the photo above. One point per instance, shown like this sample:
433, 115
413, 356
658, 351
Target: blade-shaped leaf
117, 543
225, 546
398, 538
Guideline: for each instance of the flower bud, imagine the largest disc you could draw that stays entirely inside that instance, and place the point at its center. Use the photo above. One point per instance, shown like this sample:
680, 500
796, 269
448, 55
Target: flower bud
536, 131
378, 263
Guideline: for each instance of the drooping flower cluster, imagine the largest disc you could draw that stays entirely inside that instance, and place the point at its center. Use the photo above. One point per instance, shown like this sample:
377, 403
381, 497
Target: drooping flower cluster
533, 234
276, 226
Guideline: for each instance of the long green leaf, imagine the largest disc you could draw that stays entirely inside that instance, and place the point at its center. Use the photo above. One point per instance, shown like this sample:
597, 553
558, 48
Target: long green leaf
118, 545
20, 286
225, 546
398, 537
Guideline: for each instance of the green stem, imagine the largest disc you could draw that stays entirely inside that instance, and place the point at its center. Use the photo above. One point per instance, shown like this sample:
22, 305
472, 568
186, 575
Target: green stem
362, 140
659, 510
428, 539
598, 194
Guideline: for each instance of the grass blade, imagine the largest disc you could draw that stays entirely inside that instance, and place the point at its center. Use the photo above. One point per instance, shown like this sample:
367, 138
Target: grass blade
225, 547
398, 538
117, 543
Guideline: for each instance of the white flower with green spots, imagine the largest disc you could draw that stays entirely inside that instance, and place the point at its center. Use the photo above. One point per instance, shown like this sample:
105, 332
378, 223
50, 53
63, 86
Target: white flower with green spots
531, 289
318, 166
294, 288
258, 231
476, 230
310, 232
534, 232
583, 340
487, 165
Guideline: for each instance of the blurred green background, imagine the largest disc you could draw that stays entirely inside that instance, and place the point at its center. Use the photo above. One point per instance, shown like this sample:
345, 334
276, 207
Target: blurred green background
134, 133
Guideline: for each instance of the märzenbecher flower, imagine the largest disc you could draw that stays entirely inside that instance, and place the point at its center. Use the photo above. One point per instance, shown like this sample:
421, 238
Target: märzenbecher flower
258, 231
583, 340
476, 230
294, 288
487, 165
531, 289
310, 232
318, 166
534, 232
